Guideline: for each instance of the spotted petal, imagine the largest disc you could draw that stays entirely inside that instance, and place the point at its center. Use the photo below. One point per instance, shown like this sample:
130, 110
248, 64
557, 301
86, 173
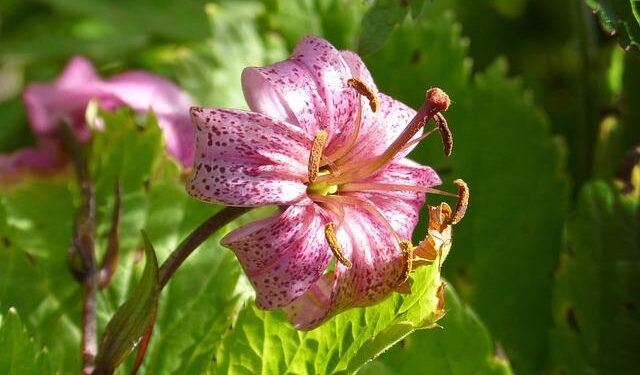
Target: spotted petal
248, 159
283, 255
400, 208
377, 265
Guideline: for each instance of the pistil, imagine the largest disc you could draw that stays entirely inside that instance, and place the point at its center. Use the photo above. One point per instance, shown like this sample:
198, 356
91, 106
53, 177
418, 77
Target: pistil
436, 101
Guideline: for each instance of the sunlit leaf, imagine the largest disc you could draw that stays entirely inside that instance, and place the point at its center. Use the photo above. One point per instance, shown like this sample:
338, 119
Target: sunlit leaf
263, 342
379, 21
461, 346
20, 354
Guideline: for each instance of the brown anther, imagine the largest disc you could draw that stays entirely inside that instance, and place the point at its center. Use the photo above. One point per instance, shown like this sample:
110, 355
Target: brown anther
366, 91
438, 98
316, 154
407, 255
332, 240
445, 133
463, 202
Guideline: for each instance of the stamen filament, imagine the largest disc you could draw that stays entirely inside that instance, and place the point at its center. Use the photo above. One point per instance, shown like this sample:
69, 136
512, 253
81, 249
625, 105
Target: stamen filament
332, 240
369, 208
353, 137
360, 186
331, 204
419, 139
316, 154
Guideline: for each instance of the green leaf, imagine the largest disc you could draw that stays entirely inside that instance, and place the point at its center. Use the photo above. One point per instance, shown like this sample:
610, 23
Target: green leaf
378, 22
263, 342
597, 291
505, 249
336, 20
462, 346
19, 354
129, 323
14, 133
212, 72
621, 18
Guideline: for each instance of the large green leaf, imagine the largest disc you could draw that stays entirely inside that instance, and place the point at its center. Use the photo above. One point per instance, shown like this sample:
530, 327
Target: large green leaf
621, 18
34, 276
505, 249
19, 355
263, 342
462, 346
597, 292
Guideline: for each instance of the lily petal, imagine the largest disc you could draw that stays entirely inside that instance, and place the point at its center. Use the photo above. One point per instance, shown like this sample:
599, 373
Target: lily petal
283, 255
247, 159
287, 92
330, 71
63, 99
377, 265
45, 158
400, 208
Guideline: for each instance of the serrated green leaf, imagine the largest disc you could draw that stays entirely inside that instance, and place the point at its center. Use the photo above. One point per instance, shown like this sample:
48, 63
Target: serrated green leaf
597, 292
126, 328
378, 22
621, 18
263, 342
34, 276
462, 346
507, 245
19, 355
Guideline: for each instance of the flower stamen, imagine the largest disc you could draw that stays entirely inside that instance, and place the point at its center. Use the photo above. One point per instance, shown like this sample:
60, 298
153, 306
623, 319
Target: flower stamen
366, 91
463, 202
316, 154
332, 240
407, 255
445, 133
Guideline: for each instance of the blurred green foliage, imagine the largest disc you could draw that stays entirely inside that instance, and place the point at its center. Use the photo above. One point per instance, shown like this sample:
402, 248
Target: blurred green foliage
534, 294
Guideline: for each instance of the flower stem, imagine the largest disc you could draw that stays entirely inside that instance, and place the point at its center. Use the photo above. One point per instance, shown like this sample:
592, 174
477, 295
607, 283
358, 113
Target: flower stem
83, 247
195, 239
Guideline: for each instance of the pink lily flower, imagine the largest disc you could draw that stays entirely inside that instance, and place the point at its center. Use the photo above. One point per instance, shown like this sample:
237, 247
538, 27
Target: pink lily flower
326, 146
66, 98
